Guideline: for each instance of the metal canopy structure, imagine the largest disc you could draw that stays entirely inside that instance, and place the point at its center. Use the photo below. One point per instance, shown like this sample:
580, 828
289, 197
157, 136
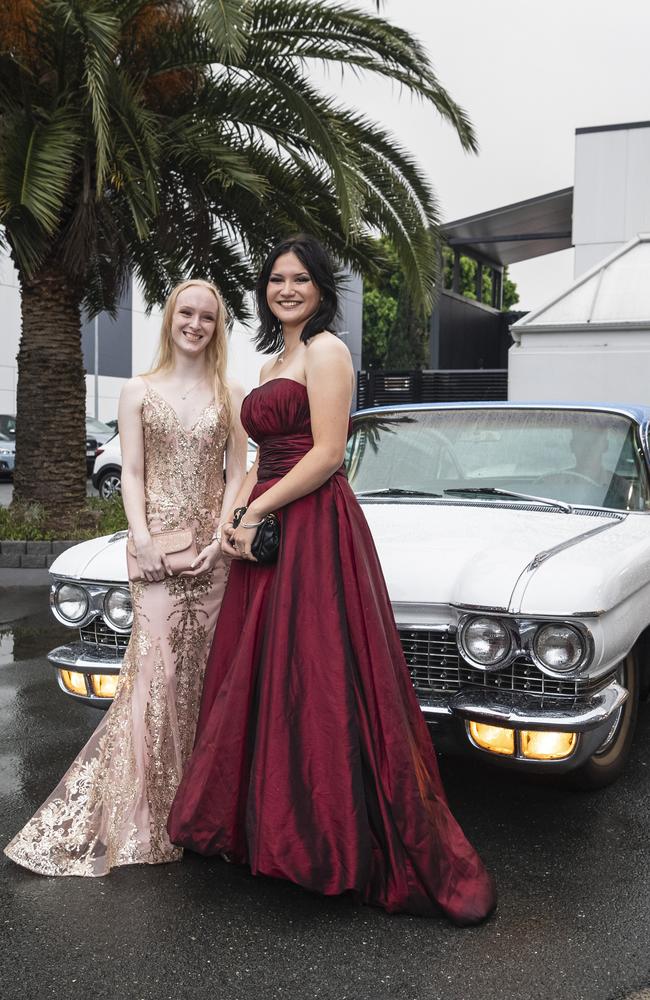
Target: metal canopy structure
614, 295
516, 232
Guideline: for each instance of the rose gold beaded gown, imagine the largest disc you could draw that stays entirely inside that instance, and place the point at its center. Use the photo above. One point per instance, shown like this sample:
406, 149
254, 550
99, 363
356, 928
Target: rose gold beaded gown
111, 806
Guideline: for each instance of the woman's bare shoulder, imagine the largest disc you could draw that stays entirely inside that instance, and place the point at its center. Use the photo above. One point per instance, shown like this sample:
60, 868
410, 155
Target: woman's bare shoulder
237, 392
326, 348
133, 390
266, 368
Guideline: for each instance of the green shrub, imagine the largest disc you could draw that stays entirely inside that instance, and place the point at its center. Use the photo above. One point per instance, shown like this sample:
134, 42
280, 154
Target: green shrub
34, 523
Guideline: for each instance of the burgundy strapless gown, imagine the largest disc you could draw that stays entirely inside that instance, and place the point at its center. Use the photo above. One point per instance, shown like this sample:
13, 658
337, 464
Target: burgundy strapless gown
312, 759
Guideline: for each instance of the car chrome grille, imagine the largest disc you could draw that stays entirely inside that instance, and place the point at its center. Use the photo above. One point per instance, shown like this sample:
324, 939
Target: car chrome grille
437, 668
98, 633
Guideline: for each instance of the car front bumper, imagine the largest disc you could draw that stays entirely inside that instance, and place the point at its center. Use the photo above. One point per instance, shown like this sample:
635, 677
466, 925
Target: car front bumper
589, 716
89, 661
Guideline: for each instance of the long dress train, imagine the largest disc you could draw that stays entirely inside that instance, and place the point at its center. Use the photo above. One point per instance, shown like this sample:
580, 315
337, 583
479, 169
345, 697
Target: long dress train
312, 759
111, 806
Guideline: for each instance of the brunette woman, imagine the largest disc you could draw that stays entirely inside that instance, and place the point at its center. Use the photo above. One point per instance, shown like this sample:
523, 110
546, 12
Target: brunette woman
312, 760
176, 423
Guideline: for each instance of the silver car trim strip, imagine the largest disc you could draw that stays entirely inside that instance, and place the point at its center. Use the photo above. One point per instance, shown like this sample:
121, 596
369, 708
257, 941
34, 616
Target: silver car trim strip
540, 558
570, 542
84, 659
514, 710
487, 609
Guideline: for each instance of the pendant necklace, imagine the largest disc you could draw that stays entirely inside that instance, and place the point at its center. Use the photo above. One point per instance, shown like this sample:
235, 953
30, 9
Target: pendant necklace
283, 355
184, 395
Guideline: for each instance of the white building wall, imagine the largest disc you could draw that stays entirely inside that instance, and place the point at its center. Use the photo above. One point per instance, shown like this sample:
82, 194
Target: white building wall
599, 366
611, 199
10, 313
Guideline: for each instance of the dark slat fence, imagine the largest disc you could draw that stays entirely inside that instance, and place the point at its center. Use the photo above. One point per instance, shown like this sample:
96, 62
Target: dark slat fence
385, 388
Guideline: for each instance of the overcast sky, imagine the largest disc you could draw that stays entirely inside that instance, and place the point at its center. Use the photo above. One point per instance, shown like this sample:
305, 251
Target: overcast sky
528, 72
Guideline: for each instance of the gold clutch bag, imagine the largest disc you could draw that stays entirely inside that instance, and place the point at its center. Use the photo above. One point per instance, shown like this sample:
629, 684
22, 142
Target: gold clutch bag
178, 544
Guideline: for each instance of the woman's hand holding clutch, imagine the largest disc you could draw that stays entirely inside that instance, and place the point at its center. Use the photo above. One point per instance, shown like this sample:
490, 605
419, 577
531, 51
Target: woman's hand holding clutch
152, 562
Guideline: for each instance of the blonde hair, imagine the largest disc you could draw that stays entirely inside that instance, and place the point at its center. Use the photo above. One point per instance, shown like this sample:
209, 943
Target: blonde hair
216, 353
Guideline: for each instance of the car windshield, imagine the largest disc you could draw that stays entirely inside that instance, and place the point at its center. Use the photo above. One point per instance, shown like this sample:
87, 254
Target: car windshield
583, 457
97, 427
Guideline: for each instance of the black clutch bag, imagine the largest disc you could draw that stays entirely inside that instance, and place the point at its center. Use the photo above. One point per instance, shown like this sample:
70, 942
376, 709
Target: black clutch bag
266, 542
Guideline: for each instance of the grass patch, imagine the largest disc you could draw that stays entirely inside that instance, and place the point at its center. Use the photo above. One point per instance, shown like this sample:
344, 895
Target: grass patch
35, 524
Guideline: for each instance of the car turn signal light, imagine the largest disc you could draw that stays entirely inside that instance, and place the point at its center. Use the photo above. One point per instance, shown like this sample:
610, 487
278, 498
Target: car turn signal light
546, 746
104, 685
74, 682
493, 738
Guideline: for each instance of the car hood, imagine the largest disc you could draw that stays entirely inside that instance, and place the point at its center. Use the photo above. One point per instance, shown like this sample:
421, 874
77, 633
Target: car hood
469, 555
475, 555
102, 559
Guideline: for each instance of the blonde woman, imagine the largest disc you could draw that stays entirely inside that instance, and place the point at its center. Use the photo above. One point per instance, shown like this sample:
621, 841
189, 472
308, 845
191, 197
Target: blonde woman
176, 424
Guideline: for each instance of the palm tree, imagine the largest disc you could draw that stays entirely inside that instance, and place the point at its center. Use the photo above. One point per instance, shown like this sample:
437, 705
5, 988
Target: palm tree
168, 138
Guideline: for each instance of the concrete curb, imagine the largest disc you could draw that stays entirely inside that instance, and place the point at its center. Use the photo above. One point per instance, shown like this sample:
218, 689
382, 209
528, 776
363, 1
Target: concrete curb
31, 555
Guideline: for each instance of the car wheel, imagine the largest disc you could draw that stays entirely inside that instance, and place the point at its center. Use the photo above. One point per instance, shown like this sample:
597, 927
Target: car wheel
110, 485
607, 764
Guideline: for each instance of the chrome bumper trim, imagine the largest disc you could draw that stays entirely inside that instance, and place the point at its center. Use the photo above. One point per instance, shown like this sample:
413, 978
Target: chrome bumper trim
514, 710
85, 659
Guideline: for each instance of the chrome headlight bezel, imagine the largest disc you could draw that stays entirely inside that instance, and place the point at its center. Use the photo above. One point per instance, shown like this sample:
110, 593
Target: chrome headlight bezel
123, 593
523, 632
509, 631
96, 592
585, 640
56, 601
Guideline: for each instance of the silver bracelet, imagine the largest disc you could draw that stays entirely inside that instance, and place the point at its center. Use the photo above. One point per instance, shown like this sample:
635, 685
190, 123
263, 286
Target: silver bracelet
256, 525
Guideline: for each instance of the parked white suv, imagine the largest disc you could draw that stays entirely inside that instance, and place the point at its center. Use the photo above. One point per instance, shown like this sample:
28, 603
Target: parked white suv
107, 470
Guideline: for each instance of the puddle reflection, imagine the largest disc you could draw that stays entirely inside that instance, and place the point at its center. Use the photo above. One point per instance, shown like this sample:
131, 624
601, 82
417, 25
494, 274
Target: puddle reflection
32, 637
6, 647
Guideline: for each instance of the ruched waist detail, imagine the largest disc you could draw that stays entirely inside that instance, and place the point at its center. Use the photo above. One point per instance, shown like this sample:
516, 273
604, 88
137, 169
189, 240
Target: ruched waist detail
279, 454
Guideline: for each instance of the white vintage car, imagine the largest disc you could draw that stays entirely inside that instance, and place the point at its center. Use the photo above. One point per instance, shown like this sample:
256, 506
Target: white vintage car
515, 540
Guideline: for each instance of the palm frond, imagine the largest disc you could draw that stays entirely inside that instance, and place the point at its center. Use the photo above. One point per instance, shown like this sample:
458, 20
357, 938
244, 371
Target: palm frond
201, 139
36, 168
98, 29
199, 147
318, 120
227, 22
134, 150
335, 33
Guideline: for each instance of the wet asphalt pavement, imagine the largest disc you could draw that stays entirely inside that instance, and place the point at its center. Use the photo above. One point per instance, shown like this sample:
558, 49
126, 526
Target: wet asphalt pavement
573, 872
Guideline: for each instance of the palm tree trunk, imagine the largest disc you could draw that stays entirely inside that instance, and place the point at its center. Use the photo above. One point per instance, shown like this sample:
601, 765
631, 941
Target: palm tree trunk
51, 397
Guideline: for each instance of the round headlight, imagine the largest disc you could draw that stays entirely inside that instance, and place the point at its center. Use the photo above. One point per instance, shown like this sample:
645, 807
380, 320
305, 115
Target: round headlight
486, 641
559, 647
71, 602
118, 609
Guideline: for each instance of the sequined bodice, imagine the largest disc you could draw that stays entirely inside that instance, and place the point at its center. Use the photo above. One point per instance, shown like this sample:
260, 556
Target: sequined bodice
183, 467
